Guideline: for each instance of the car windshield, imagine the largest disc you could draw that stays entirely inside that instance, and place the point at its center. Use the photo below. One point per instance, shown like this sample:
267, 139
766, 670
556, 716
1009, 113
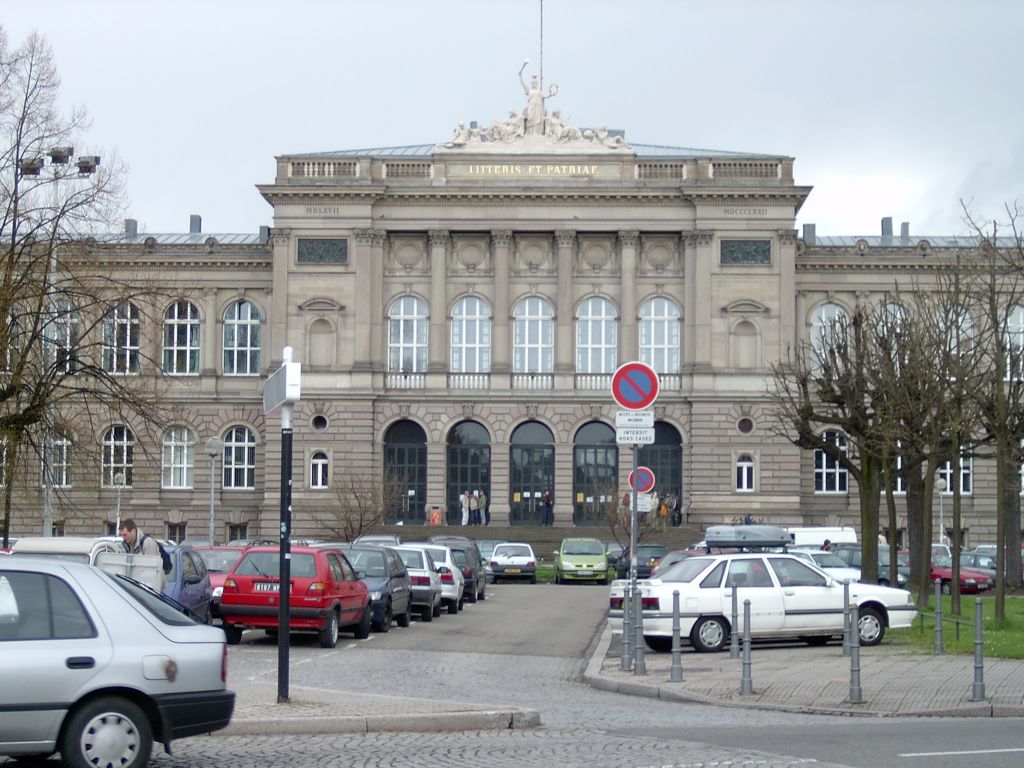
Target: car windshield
828, 560
582, 547
437, 553
460, 557
686, 570
219, 560
651, 552
303, 565
512, 550
412, 558
487, 547
943, 561
369, 561
901, 559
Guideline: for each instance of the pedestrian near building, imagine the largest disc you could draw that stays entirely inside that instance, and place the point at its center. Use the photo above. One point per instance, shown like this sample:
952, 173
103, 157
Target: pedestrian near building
474, 508
138, 543
485, 509
547, 502
464, 503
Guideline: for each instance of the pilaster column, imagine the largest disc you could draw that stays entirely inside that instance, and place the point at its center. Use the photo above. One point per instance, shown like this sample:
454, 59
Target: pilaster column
788, 313
273, 346
439, 240
211, 340
628, 342
564, 346
501, 348
362, 258
699, 269
801, 318
377, 238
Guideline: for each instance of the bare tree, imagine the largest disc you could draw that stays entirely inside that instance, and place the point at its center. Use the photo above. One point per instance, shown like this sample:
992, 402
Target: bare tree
360, 504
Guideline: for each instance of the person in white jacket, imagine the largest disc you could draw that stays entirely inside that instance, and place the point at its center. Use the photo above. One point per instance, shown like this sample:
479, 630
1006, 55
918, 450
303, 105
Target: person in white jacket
464, 500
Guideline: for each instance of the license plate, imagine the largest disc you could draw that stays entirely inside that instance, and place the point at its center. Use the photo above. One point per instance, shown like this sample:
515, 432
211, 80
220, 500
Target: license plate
511, 570
268, 586
584, 573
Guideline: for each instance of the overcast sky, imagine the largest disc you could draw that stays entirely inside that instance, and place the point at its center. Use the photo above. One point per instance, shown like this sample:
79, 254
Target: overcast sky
890, 108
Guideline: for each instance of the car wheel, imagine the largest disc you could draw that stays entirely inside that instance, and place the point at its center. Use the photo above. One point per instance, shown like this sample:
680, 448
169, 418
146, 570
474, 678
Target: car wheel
462, 602
362, 630
558, 578
483, 593
947, 588
533, 579
232, 634
403, 618
658, 644
870, 626
426, 613
816, 640
709, 634
329, 633
437, 610
384, 624
453, 606
105, 732
471, 597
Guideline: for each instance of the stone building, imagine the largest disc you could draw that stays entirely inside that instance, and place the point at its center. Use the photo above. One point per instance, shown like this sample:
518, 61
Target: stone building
459, 309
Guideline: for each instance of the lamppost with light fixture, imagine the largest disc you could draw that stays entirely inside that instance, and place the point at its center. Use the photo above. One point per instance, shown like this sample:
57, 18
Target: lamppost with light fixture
214, 446
119, 482
87, 164
942, 492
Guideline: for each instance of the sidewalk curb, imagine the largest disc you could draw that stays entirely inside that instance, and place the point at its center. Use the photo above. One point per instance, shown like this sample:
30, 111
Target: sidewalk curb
513, 719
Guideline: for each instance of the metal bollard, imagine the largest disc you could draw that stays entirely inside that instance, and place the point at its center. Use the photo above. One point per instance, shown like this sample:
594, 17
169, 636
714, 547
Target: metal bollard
978, 689
856, 696
627, 632
639, 665
846, 618
676, 674
746, 681
938, 617
734, 639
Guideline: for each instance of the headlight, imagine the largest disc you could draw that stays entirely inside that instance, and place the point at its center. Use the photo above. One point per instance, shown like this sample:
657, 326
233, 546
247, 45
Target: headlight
375, 595
218, 591
970, 581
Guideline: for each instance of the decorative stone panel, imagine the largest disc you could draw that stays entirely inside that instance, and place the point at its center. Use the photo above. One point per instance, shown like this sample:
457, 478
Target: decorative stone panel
407, 255
533, 255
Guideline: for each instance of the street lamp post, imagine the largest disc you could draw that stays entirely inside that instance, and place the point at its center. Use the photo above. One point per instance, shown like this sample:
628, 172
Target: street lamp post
214, 446
119, 482
87, 164
942, 527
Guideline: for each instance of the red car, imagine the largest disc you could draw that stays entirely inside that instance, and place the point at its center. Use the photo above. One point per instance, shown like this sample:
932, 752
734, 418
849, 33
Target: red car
219, 562
971, 582
326, 594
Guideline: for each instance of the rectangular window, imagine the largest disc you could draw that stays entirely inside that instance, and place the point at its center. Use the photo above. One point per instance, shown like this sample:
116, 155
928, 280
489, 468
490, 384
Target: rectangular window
323, 250
746, 251
176, 532
238, 532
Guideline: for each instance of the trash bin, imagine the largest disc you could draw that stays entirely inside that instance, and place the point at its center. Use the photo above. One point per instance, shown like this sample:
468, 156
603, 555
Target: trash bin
435, 515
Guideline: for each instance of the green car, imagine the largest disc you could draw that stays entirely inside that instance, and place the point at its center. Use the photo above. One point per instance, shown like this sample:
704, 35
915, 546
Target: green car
581, 560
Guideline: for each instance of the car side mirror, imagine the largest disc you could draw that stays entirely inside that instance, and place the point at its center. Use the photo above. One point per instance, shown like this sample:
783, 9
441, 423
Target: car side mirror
193, 579
360, 574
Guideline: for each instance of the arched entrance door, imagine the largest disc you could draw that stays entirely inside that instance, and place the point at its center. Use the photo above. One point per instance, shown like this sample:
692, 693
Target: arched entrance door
531, 472
665, 457
595, 473
469, 465
405, 473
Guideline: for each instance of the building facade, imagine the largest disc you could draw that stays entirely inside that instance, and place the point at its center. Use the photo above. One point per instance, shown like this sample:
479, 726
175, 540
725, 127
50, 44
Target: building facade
459, 310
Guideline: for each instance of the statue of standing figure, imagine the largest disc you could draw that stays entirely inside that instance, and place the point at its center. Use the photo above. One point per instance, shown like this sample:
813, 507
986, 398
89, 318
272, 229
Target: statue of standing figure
535, 98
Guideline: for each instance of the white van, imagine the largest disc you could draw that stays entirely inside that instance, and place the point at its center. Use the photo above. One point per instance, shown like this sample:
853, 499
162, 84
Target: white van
815, 536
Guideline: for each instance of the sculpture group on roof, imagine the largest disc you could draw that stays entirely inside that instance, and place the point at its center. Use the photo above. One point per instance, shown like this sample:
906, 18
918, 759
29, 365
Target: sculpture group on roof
534, 120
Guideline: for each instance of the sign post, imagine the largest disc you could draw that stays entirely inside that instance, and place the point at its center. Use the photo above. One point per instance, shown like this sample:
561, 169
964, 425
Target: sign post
634, 388
280, 393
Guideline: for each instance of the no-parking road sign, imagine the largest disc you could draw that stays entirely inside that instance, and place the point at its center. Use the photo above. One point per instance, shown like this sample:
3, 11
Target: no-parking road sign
642, 479
635, 386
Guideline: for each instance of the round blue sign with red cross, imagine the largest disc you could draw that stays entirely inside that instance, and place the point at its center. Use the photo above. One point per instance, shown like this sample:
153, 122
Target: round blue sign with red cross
635, 386
642, 479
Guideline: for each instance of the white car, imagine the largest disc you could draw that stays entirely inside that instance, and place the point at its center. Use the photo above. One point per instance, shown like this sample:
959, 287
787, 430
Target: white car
424, 579
98, 666
453, 583
514, 561
829, 562
788, 598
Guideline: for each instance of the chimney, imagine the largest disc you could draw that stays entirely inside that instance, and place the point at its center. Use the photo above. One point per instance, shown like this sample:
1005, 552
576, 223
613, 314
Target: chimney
264, 235
809, 234
887, 226
905, 230
131, 228
195, 224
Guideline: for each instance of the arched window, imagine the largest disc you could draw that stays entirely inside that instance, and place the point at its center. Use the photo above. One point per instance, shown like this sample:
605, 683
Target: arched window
665, 459
321, 344
241, 339
121, 339
318, 470
240, 458
405, 472
407, 335
660, 347
744, 345
1015, 344
57, 462
826, 321
181, 339
63, 336
533, 345
471, 336
744, 473
118, 457
178, 458
829, 476
469, 465
531, 472
596, 336
595, 464
966, 473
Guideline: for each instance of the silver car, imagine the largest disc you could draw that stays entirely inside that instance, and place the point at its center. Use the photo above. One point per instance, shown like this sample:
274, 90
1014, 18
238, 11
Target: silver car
98, 666
453, 583
424, 579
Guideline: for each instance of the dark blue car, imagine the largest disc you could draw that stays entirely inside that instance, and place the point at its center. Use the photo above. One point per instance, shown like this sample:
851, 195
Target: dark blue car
189, 582
386, 580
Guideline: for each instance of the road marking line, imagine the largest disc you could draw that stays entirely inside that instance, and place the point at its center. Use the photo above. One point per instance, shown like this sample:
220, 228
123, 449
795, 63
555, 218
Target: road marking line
967, 752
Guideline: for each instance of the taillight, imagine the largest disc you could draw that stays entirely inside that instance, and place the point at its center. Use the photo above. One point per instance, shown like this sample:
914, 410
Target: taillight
224, 663
494, 563
650, 603
616, 602
467, 572
531, 564
447, 578
317, 587
230, 585
420, 581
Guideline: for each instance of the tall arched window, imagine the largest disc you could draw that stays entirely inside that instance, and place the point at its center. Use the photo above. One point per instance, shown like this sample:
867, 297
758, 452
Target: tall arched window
405, 472
469, 465
240, 458
471, 336
1015, 344
241, 339
596, 336
181, 338
533, 343
407, 335
178, 458
826, 321
531, 472
744, 345
118, 457
660, 348
665, 459
744, 473
121, 339
319, 465
64, 335
595, 467
829, 475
